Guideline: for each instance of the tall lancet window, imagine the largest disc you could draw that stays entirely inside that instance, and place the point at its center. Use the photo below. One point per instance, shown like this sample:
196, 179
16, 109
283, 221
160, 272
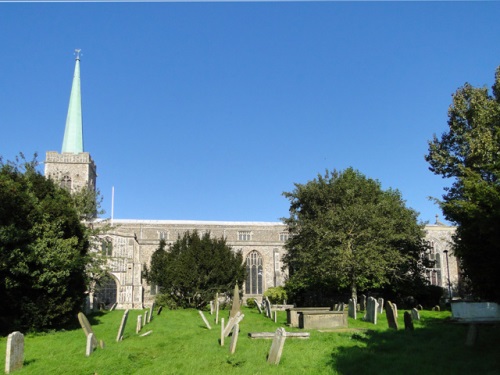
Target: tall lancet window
253, 284
66, 183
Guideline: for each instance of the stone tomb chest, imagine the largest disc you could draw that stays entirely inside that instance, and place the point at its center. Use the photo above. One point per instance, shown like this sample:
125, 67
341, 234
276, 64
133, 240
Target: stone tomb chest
293, 313
316, 318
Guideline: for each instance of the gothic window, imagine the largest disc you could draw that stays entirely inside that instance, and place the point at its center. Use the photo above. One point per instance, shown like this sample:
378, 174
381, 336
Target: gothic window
284, 236
66, 183
253, 284
244, 235
107, 247
163, 235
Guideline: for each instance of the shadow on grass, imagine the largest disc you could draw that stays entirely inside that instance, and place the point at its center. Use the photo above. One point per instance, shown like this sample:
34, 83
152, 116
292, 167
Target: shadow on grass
436, 346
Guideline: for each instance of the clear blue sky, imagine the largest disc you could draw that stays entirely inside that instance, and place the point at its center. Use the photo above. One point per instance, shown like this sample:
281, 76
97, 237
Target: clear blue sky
209, 111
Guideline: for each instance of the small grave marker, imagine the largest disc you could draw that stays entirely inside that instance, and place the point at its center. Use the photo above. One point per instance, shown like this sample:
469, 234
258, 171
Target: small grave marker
205, 319
222, 332
138, 327
415, 315
258, 306
159, 310
87, 328
145, 318
380, 305
408, 322
146, 333
119, 336
391, 317
351, 310
276, 350
90, 345
234, 339
14, 357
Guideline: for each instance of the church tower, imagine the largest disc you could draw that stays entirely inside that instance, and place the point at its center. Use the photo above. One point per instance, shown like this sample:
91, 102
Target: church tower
73, 168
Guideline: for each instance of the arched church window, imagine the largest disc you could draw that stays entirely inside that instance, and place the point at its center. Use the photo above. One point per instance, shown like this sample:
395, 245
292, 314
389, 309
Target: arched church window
66, 183
254, 281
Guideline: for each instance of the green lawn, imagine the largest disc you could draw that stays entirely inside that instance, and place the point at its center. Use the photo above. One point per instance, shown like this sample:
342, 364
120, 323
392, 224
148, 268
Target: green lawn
181, 344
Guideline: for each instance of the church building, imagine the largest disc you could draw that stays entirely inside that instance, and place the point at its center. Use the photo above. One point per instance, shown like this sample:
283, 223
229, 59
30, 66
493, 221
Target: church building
130, 244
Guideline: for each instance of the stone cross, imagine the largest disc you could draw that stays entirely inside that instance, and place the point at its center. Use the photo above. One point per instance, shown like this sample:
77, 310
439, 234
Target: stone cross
276, 350
87, 328
391, 316
234, 339
205, 319
138, 327
14, 357
119, 336
408, 322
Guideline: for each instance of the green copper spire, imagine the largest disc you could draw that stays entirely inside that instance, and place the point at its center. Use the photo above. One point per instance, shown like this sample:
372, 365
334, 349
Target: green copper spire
73, 134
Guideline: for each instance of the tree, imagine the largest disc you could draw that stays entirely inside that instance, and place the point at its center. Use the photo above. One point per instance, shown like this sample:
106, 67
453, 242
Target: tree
194, 268
43, 250
348, 233
469, 154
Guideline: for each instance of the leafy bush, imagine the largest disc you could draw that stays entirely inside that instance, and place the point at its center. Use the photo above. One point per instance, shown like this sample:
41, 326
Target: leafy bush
251, 303
276, 294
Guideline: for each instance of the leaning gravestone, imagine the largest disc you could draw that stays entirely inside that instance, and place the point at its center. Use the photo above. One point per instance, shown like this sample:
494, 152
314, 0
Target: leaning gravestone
14, 357
119, 336
150, 315
415, 315
276, 350
234, 339
159, 310
351, 310
408, 322
87, 328
145, 318
391, 317
204, 319
236, 307
268, 308
258, 306
395, 308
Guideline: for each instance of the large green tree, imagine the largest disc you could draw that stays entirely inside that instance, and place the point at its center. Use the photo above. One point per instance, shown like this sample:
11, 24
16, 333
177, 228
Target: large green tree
469, 154
194, 268
348, 233
43, 251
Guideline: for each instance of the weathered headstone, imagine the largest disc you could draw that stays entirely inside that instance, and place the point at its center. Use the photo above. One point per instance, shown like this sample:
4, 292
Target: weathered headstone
408, 321
395, 308
268, 308
371, 310
87, 328
14, 357
391, 317
236, 307
113, 307
231, 322
234, 339
419, 307
145, 318
90, 345
211, 307
222, 332
341, 306
276, 350
146, 333
258, 306
217, 309
119, 336
150, 315
138, 327
204, 319
159, 310
415, 315
362, 303
275, 316
380, 305
351, 310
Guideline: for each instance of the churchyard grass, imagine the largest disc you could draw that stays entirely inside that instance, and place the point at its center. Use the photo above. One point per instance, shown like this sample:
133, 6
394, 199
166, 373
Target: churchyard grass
181, 344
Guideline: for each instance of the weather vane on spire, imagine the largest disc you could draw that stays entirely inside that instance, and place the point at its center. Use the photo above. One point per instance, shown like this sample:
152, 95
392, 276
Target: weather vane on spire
77, 53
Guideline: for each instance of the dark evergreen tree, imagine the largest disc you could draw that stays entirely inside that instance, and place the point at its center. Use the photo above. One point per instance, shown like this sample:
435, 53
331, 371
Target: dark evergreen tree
43, 251
194, 268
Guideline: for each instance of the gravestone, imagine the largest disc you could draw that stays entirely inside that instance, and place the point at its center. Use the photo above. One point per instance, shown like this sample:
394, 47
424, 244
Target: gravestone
371, 310
159, 310
87, 328
232, 321
205, 319
150, 315
90, 346
113, 307
341, 306
415, 315
275, 316
395, 308
217, 309
258, 306
145, 318
211, 307
362, 303
408, 321
276, 350
419, 307
138, 327
222, 332
119, 336
234, 339
14, 356
380, 305
236, 307
351, 310
146, 333
268, 308
335, 307
391, 317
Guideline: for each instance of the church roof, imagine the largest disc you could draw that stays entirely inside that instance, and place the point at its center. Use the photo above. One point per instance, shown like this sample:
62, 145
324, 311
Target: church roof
73, 133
